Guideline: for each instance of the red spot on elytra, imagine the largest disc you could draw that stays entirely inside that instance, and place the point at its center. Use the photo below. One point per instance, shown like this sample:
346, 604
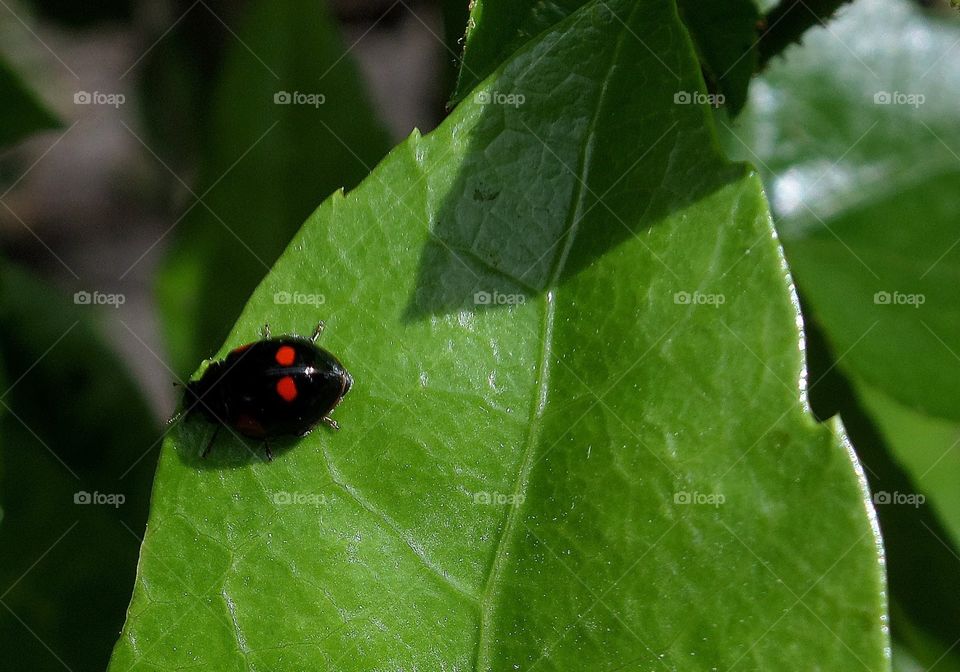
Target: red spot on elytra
286, 388
285, 355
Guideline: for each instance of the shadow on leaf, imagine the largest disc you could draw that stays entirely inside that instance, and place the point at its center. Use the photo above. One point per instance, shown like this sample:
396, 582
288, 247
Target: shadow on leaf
549, 164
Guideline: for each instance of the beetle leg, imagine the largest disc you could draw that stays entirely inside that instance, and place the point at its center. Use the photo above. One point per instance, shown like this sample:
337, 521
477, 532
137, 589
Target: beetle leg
265, 330
213, 438
330, 422
317, 331
266, 444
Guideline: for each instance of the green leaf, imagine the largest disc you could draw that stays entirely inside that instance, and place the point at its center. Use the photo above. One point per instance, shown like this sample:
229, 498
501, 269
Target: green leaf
610, 463
267, 167
21, 113
723, 32
865, 193
73, 422
497, 28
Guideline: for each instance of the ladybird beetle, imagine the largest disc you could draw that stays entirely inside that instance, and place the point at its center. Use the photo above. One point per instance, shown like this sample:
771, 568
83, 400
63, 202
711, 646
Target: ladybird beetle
273, 387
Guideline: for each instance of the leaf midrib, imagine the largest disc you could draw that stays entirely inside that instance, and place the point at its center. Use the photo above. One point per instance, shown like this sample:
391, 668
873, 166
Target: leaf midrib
484, 640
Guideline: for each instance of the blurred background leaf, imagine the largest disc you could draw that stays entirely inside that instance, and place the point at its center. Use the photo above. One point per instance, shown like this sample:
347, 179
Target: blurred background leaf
786, 23
21, 113
927, 447
455, 16
73, 422
265, 167
82, 15
861, 191
725, 35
